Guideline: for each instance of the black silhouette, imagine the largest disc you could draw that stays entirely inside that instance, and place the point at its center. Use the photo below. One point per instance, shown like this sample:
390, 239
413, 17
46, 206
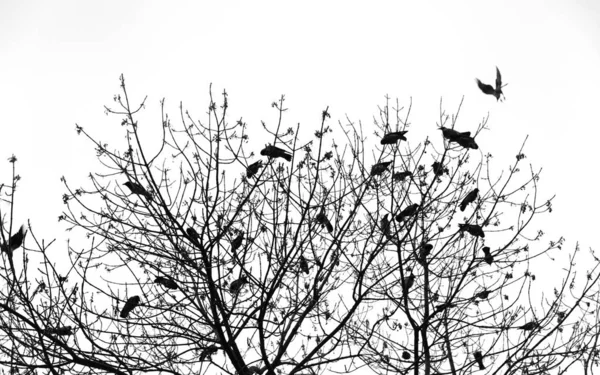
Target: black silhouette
424, 251
529, 326
15, 241
253, 169
324, 221
385, 225
407, 283
237, 242
303, 264
484, 294
452, 135
444, 306
207, 352
192, 233
276, 152
479, 359
407, 212
489, 90
167, 283
467, 142
438, 168
472, 229
470, 198
237, 285
401, 176
488, 257
391, 138
131, 303
379, 168
138, 189
59, 331
405, 355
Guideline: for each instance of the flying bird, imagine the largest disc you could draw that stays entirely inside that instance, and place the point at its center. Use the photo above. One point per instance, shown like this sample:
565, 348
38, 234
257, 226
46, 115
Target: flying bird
167, 283
391, 138
253, 169
489, 90
15, 241
303, 264
131, 303
529, 326
379, 168
138, 189
488, 257
470, 198
237, 242
276, 152
324, 221
237, 285
472, 229
479, 359
407, 212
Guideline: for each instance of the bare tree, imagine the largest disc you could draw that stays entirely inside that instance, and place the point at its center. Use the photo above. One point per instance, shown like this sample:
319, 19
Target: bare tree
302, 256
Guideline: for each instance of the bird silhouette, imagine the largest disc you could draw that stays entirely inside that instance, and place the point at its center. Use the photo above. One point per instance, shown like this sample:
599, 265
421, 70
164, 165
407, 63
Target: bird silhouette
191, 232
405, 355
479, 359
59, 331
385, 225
237, 285
470, 198
444, 306
324, 221
489, 90
391, 138
14, 242
379, 168
472, 229
438, 168
167, 283
467, 142
138, 190
452, 135
530, 326
488, 257
484, 294
407, 212
424, 251
303, 264
407, 283
131, 303
207, 352
401, 176
253, 169
276, 152
236, 243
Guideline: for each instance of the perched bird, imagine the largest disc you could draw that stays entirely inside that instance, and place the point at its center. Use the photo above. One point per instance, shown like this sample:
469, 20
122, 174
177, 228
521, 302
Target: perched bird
379, 168
405, 355
138, 189
444, 306
407, 283
385, 225
59, 331
131, 303
489, 90
470, 198
401, 176
303, 264
276, 152
407, 212
324, 221
529, 326
472, 229
14, 242
167, 283
191, 232
484, 294
207, 352
391, 138
237, 285
438, 168
467, 142
237, 242
479, 359
424, 251
253, 168
489, 258
452, 135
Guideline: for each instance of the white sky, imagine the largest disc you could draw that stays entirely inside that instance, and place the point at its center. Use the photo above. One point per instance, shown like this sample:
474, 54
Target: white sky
60, 62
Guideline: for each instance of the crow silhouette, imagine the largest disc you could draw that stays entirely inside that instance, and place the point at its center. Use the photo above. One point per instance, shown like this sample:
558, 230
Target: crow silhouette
470, 198
276, 152
391, 138
14, 242
488, 257
401, 176
467, 142
253, 169
385, 225
530, 326
324, 221
479, 359
489, 90
379, 168
407, 212
472, 229
303, 264
438, 168
407, 283
131, 303
452, 135
138, 189
167, 283
484, 294
237, 285
59, 331
236, 243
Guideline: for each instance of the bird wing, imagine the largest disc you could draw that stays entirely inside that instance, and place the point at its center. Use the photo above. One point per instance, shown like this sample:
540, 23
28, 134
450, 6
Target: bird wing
487, 89
498, 79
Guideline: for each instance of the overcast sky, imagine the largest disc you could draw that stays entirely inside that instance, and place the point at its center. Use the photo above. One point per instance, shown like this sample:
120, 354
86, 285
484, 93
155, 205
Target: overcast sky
60, 62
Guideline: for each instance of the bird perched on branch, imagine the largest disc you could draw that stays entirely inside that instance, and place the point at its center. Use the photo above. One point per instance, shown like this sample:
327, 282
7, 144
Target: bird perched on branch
303, 264
59, 331
484, 294
472, 229
470, 198
253, 168
191, 232
385, 225
479, 359
401, 176
167, 283
405, 355
138, 189
236, 243
467, 142
407, 283
131, 303
237, 285
14, 242
391, 138
276, 152
424, 251
489, 90
530, 326
324, 221
452, 135
379, 168
407, 212
487, 256
438, 168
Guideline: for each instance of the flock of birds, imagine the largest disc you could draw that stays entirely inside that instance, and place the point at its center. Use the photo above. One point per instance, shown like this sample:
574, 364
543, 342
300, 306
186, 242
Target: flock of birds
463, 139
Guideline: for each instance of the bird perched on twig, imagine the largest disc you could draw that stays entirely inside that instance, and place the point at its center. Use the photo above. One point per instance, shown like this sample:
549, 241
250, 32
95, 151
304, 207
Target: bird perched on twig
14, 242
424, 251
452, 135
489, 90
407, 212
488, 257
438, 168
276, 152
407, 283
405, 355
379, 168
401, 176
324, 221
385, 225
131, 303
303, 264
191, 232
467, 142
484, 294
237, 285
138, 189
530, 326
391, 138
59, 331
472, 229
167, 283
479, 359
470, 198
253, 168
236, 243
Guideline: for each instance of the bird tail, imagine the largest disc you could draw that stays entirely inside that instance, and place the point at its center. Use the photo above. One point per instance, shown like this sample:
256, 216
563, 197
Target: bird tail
287, 157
